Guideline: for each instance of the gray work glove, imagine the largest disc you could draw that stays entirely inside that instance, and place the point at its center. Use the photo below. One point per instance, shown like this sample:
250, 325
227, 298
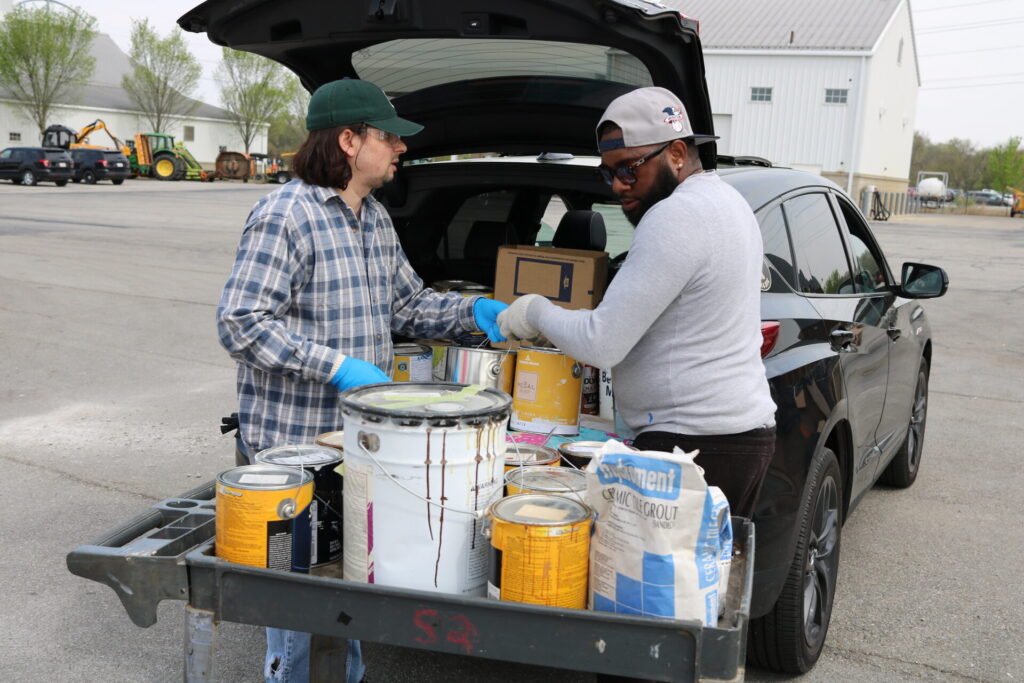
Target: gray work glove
513, 321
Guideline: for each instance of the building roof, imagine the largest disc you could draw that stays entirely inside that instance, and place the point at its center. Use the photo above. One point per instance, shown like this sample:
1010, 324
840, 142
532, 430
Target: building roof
854, 25
104, 88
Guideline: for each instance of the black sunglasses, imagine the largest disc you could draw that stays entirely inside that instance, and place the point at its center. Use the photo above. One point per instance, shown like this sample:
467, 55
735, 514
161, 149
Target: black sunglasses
627, 174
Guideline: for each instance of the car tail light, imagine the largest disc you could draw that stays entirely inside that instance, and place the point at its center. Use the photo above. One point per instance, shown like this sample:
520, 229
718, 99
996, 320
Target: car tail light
101, 162
44, 162
769, 336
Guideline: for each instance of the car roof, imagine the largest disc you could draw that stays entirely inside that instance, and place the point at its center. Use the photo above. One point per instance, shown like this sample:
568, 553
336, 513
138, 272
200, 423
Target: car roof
760, 186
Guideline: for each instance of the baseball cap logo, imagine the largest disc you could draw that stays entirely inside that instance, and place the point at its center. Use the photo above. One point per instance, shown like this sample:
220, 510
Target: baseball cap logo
674, 116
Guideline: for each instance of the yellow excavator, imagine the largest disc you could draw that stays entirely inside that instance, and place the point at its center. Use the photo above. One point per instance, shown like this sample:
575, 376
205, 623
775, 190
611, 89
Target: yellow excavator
65, 138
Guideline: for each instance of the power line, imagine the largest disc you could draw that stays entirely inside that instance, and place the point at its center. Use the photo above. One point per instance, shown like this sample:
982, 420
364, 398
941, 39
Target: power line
973, 4
975, 85
975, 78
965, 52
978, 24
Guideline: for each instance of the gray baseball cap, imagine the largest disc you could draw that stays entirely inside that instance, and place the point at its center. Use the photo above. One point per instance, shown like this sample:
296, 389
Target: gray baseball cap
648, 116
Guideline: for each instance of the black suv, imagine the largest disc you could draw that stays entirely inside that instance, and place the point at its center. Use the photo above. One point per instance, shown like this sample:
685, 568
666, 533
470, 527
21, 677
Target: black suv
846, 343
29, 165
100, 164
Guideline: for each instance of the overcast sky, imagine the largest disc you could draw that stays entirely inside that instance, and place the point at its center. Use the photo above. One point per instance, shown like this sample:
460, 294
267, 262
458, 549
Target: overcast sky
970, 56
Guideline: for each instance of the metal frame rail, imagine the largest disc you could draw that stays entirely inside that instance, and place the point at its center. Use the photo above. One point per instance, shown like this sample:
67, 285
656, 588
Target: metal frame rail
167, 554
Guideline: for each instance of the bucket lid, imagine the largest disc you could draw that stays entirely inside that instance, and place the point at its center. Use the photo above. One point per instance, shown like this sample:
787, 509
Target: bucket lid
547, 479
332, 439
265, 477
540, 509
412, 349
581, 449
299, 455
426, 400
528, 453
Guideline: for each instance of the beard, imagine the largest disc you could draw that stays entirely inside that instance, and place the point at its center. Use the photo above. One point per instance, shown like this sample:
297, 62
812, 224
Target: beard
665, 183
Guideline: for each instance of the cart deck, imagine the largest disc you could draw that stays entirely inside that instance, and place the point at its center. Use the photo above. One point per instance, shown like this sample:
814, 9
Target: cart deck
167, 554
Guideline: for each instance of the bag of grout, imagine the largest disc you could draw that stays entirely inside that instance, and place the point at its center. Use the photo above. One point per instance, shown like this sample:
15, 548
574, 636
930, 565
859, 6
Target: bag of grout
662, 542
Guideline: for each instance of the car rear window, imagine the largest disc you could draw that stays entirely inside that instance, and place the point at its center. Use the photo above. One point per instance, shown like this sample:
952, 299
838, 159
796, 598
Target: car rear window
822, 266
403, 66
777, 250
56, 155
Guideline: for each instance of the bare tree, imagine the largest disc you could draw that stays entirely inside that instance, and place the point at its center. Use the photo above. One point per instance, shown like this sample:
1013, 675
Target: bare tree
164, 75
44, 57
288, 129
254, 90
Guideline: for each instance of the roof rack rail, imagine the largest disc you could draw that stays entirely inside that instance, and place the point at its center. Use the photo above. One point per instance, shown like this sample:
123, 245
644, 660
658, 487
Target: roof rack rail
744, 161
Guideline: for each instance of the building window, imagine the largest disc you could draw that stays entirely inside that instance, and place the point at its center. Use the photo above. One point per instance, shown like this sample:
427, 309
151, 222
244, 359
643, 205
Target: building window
760, 94
14, 137
836, 95
190, 133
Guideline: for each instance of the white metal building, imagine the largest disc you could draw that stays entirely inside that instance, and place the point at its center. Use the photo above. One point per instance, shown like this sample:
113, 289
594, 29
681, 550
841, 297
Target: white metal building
204, 131
827, 86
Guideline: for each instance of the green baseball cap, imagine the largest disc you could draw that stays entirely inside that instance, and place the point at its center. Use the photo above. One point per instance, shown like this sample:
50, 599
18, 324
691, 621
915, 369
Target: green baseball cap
348, 101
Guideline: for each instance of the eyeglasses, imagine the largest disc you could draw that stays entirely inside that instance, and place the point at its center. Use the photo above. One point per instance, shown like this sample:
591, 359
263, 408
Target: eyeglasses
387, 137
627, 174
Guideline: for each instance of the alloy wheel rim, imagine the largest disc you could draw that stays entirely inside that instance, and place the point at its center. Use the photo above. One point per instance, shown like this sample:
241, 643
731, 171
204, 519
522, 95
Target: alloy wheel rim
822, 562
915, 435
27, 177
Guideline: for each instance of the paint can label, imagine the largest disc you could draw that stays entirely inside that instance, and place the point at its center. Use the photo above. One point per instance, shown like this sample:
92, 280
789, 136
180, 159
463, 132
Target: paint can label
250, 529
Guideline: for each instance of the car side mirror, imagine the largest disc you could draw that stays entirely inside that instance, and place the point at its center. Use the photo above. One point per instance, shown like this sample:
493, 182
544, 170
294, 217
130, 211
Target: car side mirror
921, 281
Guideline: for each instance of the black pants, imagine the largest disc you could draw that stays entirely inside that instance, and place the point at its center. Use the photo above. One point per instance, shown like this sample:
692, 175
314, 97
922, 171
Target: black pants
735, 463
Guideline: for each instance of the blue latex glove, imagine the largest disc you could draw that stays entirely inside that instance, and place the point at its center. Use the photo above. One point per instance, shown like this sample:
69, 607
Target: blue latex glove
485, 312
355, 373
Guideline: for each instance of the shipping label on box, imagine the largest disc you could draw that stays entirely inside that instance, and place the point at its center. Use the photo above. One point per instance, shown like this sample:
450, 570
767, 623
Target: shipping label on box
570, 278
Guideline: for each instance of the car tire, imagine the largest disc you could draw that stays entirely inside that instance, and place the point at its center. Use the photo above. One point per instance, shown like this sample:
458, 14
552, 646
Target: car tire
28, 177
60, 183
117, 181
89, 177
903, 468
791, 636
284, 177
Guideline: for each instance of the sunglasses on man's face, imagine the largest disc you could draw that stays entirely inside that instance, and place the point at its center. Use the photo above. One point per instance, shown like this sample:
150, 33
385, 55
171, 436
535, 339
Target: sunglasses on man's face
627, 174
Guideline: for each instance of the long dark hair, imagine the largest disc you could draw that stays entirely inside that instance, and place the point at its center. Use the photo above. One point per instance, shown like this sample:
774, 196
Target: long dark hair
321, 161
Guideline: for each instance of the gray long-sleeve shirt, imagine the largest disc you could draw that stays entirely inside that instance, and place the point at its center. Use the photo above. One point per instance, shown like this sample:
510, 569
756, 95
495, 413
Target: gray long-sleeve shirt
680, 325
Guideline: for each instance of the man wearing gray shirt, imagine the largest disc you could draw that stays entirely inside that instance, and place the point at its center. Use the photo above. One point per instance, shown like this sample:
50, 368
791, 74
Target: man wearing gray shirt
680, 324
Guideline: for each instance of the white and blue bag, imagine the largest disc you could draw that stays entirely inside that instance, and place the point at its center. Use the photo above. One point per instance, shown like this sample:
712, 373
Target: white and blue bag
662, 542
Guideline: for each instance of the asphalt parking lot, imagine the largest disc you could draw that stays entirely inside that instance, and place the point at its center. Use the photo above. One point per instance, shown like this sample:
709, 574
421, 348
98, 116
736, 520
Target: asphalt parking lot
113, 384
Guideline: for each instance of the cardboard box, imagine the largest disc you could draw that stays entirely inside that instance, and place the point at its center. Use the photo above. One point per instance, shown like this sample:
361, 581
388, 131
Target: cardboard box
570, 278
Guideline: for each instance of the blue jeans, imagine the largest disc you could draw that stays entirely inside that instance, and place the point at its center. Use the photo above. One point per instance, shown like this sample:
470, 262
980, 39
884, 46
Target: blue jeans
288, 658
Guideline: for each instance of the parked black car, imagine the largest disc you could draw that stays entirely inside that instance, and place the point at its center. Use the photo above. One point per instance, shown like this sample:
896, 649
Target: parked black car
847, 346
30, 165
92, 165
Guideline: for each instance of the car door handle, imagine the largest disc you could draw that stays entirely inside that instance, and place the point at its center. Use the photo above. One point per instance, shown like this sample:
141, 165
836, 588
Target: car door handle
841, 340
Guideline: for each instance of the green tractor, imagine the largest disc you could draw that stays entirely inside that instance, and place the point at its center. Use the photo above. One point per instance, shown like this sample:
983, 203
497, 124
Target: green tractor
159, 156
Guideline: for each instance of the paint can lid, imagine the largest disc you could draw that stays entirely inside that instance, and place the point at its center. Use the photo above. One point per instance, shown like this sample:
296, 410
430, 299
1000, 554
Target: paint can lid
300, 455
528, 454
546, 479
581, 449
265, 477
540, 509
332, 440
427, 400
412, 349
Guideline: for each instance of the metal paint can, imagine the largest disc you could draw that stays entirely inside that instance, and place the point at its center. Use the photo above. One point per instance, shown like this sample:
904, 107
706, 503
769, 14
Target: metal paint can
561, 481
591, 390
525, 455
547, 393
579, 453
262, 516
413, 363
422, 460
439, 356
332, 440
490, 367
540, 550
323, 462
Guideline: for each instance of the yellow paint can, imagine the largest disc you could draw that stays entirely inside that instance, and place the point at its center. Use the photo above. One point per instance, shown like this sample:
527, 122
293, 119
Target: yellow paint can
540, 549
413, 363
547, 392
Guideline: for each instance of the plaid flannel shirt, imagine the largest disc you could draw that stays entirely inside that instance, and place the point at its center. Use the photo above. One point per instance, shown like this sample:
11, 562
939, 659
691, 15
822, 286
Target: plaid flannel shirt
312, 284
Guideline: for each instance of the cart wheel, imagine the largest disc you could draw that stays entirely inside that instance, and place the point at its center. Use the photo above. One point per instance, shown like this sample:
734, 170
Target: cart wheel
902, 469
791, 636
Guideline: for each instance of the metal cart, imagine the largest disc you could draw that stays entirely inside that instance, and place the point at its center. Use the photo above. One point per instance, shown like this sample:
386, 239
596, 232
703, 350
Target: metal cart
167, 554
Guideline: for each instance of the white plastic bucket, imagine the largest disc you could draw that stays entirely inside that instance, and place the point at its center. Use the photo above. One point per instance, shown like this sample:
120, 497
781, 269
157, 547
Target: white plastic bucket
422, 463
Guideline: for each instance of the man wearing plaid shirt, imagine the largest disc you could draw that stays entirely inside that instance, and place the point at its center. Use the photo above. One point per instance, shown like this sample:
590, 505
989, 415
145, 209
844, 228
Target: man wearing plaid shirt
319, 283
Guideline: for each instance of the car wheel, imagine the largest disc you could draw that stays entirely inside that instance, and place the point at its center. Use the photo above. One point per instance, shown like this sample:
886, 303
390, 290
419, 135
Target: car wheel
902, 469
28, 177
791, 636
284, 177
88, 177
60, 183
117, 181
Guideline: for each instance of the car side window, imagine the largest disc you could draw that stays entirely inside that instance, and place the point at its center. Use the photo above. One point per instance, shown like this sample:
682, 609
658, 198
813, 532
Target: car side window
777, 250
822, 266
6, 154
868, 263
